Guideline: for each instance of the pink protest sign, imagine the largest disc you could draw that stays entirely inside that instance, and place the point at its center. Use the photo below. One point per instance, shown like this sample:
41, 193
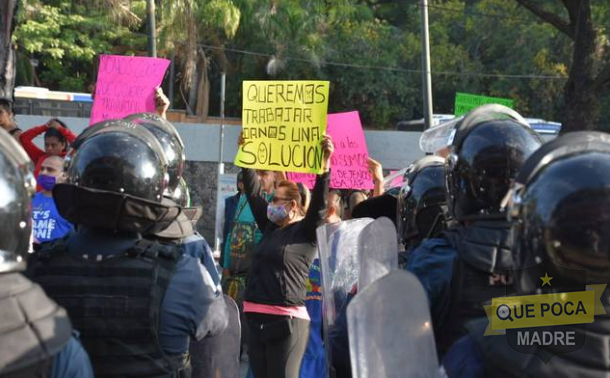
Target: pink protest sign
126, 85
349, 162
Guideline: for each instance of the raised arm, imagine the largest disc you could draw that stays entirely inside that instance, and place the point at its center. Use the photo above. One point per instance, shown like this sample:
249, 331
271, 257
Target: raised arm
256, 199
376, 170
33, 151
316, 213
67, 133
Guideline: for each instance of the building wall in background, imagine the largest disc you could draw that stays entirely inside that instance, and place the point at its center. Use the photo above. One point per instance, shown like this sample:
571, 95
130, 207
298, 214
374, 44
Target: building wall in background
394, 149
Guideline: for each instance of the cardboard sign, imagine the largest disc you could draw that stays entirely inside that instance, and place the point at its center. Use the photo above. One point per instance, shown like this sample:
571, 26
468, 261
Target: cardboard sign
283, 125
349, 163
465, 102
126, 85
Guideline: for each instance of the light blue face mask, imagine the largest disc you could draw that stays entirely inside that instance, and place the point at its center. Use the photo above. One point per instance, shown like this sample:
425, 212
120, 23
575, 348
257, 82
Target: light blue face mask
277, 213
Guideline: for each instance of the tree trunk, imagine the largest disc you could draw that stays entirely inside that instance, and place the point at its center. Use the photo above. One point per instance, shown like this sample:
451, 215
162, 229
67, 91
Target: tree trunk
192, 96
203, 87
8, 10
582, 106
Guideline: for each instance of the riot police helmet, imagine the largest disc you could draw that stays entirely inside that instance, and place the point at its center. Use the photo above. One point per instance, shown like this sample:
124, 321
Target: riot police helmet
181, 194
487, 149
170, 140
122, 160
96, 127
421, 199
17, 186
560, 210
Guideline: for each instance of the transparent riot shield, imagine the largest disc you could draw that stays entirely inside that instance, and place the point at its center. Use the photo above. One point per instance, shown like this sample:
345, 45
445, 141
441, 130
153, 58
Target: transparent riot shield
218, 356
338, 251
390, 331
377, 251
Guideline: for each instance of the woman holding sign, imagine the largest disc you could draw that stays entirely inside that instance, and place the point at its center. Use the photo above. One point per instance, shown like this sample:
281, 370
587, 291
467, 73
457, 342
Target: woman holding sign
276, 286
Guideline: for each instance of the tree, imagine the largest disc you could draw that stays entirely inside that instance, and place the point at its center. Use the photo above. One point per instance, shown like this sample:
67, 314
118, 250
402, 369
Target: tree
8, 9
68, 36
185, 24
589, 72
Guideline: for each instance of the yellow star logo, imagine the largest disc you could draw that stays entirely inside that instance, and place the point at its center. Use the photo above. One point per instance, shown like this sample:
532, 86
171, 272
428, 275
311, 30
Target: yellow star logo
546, 279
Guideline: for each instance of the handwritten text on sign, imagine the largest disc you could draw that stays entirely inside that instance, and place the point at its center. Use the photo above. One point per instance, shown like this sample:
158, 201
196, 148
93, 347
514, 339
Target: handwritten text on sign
283, 125
349, 162
126, 85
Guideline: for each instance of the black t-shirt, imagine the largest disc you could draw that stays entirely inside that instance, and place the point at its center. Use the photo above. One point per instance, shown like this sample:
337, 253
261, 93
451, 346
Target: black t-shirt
281, 261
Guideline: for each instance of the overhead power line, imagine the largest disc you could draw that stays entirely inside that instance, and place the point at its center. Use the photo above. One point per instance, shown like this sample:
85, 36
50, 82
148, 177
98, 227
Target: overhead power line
475, 13
394, 69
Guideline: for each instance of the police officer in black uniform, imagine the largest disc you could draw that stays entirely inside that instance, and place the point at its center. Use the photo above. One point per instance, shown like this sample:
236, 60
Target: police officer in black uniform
136, 302
180, 231
560, 210
36, 337
466, 267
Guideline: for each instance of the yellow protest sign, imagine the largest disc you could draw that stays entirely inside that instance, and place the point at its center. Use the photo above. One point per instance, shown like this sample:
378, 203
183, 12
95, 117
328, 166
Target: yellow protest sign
283, 125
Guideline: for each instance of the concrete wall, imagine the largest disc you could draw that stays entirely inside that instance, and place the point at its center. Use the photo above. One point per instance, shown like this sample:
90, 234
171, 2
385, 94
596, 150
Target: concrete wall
394, 149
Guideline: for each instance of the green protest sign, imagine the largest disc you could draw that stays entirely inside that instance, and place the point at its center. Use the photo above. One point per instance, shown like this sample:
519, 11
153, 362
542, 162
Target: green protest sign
465, 102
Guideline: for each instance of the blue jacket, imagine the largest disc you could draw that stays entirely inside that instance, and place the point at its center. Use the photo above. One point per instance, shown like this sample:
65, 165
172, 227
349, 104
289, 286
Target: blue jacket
432, 262
230, 209
72, 362
313, 364
464, 360
196, 246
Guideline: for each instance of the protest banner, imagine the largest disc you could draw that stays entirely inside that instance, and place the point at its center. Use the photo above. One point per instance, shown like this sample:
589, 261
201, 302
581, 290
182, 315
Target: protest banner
283, 125
126, 85
465, 102
349, 163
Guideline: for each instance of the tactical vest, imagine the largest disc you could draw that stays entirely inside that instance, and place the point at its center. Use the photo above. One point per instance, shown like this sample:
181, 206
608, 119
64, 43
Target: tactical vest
34, 328
500, 360
479, 275
115, 303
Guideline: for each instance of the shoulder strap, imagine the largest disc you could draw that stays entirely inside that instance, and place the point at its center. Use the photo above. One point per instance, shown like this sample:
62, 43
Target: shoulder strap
241, 208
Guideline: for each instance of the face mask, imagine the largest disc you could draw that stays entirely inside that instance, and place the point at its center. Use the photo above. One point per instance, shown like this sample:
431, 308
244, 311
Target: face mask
276, 213
47, 182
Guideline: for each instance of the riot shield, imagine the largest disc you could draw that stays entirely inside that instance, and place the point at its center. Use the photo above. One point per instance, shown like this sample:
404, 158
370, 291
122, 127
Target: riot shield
377, 251
390, 331
218, 356
338, 249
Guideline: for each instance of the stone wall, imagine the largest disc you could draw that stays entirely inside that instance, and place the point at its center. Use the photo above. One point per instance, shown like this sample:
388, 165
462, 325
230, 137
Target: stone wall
202, 178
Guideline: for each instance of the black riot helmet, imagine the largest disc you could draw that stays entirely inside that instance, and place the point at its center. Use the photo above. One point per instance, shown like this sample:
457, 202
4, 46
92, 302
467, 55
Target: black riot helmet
93, 129
17, 185
170, 140
123, 160
560, 208
487, 149
420, 201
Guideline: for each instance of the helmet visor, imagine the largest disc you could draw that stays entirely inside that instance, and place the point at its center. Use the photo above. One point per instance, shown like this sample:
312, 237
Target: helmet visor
394, 180
439, 137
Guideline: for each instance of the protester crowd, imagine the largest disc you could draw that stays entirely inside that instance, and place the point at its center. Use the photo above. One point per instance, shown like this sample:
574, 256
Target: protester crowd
132, 290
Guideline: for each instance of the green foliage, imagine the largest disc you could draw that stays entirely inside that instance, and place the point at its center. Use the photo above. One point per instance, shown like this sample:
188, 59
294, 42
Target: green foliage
66, 37
370, 50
